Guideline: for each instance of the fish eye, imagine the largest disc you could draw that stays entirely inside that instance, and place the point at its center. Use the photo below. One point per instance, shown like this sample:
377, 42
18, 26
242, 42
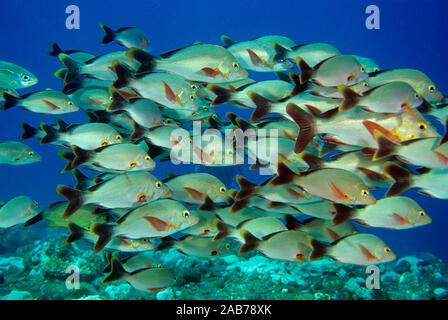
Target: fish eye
31, 153
110, 99
416, 96
191, 97
421, 213
376, 69
194, 87
185, 213
104, 143
363, 69
70, 103
167, 121
365, 192
147, 158
158, 184
118, 137
190, 141
132, 164
36, 204
214, 116
222, 189
387, 250
421, 126
205, 108
365, 84
431, 88
228, 246
235, 65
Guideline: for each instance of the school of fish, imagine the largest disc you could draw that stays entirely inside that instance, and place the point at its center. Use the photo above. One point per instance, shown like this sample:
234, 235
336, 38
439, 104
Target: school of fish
344, 127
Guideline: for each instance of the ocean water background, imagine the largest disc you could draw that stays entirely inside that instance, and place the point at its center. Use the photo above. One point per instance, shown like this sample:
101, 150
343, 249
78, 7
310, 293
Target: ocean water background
412, 35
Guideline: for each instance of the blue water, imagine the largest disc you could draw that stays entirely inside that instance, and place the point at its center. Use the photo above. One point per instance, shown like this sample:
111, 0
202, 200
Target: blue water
412, 34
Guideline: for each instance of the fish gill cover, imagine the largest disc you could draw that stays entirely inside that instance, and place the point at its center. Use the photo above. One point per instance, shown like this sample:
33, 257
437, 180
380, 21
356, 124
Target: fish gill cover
184, 172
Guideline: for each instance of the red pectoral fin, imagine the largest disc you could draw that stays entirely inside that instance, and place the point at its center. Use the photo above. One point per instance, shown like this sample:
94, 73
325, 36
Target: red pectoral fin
443, 158
333, 234
209, 72
156, 289
254, 58
51, 105
169, 94
195, 194
373, 126
157, 224
95, 103
338, 192
400, 219
367, 254
144, 43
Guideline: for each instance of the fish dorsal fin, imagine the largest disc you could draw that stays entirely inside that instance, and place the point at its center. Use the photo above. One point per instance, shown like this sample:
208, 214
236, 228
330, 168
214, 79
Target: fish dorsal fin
123, 218
227, 40
269, 236
374, 74
51, 205
98, 185
171, 52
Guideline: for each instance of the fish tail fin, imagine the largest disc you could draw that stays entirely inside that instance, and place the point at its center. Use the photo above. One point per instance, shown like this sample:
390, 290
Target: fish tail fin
166, 243
118, 102
117, 272
313, 162
73, 67
402, 177
35, 219
351, 98
223, 231
243, 124
105, 233
247, 188
76, 233
109, 36
250, 242
281, 52
11, 100
284, 176
320, 250
82, 181
75, 198
108, 268
299, 87
51, 134
239, 205
223, 95
55, 49
148, 62
124, 75
67, 156
343, 214
292, 223
28, 131
263, 106
386, 147
139, 131
306, 123
306, 72
81, 156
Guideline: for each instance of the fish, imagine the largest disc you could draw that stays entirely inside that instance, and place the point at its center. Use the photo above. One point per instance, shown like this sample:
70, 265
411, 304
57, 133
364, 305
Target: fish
207, 226
127, 190
44, 102
421, 83
91, 98
313, 53
197, 246
392, 97
147, 279
392, 213
131, 263
156, 219
200, 62
257, 55
290, 245
115, 158
359, 249
17, 153
13, 76
338, 185
87, 136
429, 182
18, 210
194, 187
334, 71
77, 55
321, 229
164, 88
118, 243
259, 227
127, 37
368, 64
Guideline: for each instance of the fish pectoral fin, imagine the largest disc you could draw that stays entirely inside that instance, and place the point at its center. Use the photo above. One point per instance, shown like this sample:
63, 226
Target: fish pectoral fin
156, 289
333, 234
51, 105
299, 257
367, 254
338, 193
213, 73
169, 94
195, 194
400, 219
157, 223
255, 59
